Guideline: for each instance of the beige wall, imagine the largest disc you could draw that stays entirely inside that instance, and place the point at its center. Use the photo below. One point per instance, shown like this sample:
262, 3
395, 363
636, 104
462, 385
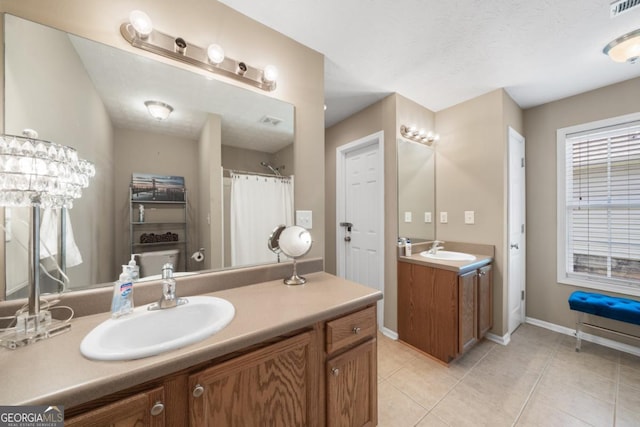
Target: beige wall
546, 299
385, 115
153, 153
202, 22
471, 165
77, 119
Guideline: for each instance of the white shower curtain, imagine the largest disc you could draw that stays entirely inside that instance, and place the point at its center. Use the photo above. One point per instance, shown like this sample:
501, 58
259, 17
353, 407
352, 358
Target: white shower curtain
258, 205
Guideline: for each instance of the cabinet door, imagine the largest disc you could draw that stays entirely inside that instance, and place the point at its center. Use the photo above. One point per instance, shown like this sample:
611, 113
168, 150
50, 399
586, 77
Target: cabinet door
413, 284
141, 410
265, 387
485, 300
352, 387
467, 311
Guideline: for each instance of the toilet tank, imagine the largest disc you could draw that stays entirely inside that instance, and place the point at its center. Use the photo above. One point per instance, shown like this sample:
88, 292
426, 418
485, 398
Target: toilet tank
151, 262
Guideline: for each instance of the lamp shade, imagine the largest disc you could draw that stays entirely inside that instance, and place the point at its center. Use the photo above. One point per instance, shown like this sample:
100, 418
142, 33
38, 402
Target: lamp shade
34, 172
625, 48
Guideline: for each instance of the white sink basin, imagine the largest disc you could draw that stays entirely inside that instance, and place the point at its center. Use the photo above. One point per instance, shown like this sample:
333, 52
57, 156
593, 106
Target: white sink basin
146, 333
449, 256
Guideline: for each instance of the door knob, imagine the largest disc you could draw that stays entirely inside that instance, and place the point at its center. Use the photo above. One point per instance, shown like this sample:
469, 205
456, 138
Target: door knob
515, 246
347, 238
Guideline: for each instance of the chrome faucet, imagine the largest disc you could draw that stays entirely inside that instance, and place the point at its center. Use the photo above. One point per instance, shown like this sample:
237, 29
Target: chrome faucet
168, 299
436, 245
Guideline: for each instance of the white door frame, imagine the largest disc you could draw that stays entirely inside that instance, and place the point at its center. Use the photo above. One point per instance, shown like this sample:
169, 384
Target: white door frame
376, 138
514, 136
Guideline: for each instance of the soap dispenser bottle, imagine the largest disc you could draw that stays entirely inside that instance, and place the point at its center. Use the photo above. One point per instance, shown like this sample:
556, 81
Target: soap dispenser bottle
134, 269
122, 302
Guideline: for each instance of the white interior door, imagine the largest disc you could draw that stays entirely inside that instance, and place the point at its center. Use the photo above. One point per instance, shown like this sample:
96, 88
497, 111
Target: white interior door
517, 231
360, 197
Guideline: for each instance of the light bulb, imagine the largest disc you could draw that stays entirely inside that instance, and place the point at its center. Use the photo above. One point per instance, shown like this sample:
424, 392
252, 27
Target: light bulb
215, 53
270, 73
141, 22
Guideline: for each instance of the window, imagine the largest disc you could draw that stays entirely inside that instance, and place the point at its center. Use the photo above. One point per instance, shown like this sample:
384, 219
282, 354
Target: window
599, 205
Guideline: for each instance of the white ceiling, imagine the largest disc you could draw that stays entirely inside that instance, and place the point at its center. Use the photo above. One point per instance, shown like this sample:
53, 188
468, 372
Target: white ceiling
443, 52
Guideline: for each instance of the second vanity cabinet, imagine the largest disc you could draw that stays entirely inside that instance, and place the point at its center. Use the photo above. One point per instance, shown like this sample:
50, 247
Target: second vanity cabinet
441, 312
279, 383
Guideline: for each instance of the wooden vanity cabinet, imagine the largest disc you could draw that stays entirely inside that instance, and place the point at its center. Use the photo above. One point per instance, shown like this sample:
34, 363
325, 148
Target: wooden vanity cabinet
142, 409
351, 370
324, 375
441, 312
268, 386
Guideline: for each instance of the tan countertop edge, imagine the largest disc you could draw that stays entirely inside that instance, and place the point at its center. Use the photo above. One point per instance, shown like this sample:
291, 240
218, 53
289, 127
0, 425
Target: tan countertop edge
459, 267
54, 372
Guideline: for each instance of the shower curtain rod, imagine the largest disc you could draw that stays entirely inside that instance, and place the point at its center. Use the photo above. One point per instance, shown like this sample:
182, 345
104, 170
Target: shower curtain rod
227, 173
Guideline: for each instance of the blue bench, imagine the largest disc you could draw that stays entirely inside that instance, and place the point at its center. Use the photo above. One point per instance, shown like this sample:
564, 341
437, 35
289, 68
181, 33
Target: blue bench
621, 309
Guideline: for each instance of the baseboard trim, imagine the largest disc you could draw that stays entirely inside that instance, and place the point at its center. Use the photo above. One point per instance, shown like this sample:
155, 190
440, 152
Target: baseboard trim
389, 333
596, 339
502, 340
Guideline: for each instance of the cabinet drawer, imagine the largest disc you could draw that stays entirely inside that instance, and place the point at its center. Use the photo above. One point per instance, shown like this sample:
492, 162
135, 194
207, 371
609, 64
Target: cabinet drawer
350, 329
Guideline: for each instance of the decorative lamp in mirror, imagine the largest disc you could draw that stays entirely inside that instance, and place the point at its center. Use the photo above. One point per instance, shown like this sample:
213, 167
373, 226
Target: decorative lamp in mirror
38, 174
294, 242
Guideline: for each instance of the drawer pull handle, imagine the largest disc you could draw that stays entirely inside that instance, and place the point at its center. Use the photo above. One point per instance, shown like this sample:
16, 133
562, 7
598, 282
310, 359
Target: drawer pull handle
356, 330
157, 409
335, 372
198, 390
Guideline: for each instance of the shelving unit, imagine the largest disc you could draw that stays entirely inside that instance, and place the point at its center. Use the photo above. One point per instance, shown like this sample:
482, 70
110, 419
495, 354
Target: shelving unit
160, 218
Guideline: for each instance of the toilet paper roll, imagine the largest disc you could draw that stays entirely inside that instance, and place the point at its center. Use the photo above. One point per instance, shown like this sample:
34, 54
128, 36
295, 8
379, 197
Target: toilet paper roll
198, 256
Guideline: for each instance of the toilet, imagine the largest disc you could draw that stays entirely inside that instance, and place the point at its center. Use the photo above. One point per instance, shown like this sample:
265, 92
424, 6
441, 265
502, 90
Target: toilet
151, 262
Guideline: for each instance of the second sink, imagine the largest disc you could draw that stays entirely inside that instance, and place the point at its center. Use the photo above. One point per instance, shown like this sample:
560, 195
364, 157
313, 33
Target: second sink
448, 256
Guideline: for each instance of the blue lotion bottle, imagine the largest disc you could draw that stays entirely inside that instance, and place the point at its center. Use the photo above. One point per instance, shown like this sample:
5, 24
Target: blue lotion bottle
122, 302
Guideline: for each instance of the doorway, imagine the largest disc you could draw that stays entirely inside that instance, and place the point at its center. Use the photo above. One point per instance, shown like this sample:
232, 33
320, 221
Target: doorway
516, 263
360, 213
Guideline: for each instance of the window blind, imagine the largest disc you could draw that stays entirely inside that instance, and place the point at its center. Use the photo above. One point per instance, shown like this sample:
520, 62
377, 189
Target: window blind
603, 204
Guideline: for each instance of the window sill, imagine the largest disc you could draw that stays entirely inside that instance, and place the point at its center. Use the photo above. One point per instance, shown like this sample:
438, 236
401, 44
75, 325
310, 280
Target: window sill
627, 290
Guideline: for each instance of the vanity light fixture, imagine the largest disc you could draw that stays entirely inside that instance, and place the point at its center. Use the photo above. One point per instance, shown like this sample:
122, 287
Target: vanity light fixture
625, 48
158, 110
38, 174
139, 33
421, 136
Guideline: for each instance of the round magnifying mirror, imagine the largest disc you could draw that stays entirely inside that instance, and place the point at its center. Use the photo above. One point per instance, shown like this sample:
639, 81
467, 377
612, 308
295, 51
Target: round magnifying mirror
273, 241
294, 242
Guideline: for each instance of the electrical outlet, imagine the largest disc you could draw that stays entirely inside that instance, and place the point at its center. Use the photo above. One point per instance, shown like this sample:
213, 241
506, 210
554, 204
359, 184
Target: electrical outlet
444, 218
304, 219
427, 217
407, 217
469, 217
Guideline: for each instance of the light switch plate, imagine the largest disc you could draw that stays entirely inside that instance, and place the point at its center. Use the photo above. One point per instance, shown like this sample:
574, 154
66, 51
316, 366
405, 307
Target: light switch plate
427, 217
407, 217
304, 219
444, 218
469, 217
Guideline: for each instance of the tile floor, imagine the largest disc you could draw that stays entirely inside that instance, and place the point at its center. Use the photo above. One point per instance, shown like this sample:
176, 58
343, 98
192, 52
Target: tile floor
537, 380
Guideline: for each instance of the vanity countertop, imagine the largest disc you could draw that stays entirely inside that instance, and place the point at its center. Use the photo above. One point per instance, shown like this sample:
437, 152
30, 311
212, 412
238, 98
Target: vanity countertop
54, 372
460, 267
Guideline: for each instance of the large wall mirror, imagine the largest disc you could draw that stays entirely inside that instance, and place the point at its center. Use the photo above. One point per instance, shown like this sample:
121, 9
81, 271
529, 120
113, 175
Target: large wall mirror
219, 138
416, 191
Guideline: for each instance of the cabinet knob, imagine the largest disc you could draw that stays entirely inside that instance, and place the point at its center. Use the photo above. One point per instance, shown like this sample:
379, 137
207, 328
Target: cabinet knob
335, 372
356, 330
198, 390
482, 273
157, 409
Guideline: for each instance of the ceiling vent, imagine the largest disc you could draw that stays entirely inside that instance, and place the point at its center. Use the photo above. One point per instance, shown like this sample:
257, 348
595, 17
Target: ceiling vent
274, 121
619, 7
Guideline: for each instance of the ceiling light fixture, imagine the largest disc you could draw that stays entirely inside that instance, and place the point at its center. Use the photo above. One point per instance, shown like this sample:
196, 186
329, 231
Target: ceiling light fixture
139, 33
158, 110
625, 48
421, 136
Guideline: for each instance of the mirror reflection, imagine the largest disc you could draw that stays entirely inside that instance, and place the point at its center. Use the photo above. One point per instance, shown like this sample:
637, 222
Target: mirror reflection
416, 191
228, 144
